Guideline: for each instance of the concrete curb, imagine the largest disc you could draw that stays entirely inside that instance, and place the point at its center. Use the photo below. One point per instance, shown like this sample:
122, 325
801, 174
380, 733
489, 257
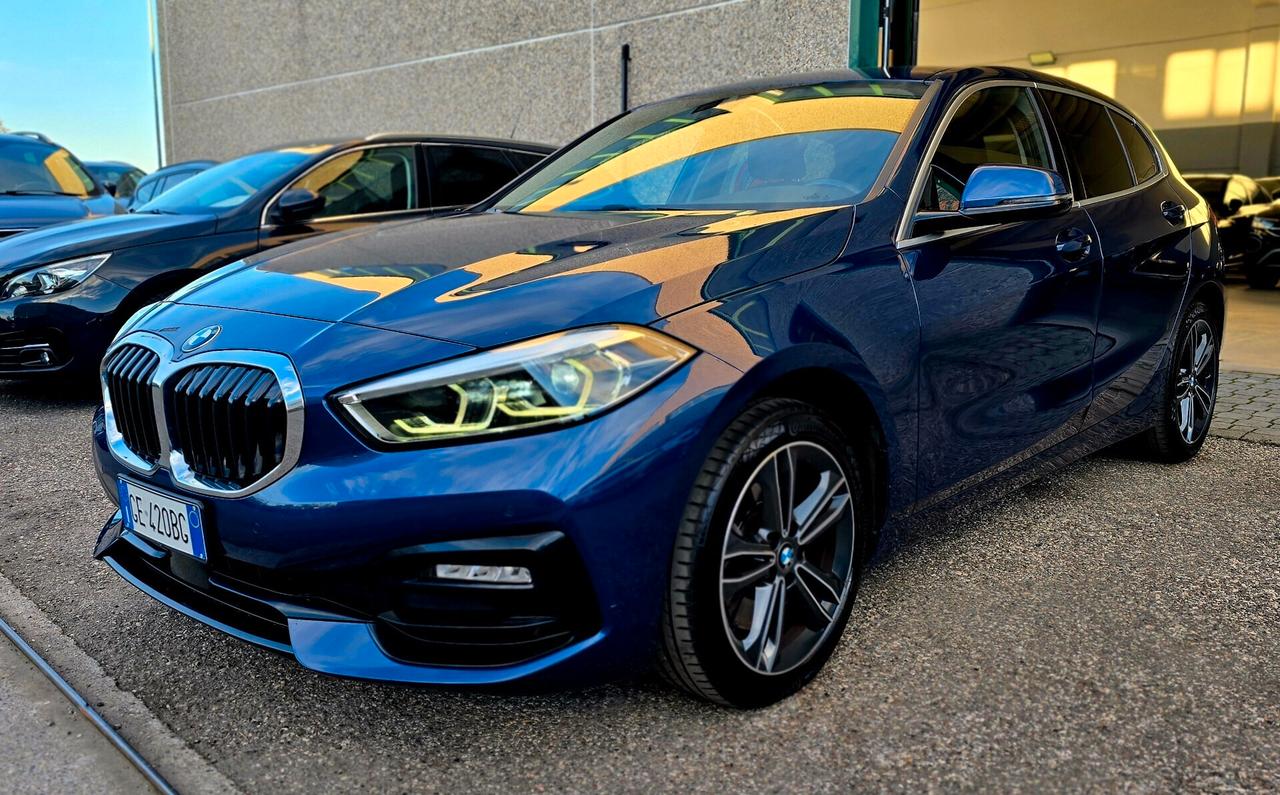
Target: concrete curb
186, 770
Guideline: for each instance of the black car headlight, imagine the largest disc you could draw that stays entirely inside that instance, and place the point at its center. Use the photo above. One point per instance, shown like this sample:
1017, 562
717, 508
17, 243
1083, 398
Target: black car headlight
554, 379
54, 278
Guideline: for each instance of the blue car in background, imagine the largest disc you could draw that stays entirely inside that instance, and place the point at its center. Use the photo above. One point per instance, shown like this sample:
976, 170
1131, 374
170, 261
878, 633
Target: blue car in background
163, 179
120, 179
66, 290
41, 184
662, 398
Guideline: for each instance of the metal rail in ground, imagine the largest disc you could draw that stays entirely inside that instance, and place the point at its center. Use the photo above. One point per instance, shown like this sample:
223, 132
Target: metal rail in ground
148, 772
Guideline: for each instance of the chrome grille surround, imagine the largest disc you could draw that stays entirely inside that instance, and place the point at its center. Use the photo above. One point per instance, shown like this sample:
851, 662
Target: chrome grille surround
171, 459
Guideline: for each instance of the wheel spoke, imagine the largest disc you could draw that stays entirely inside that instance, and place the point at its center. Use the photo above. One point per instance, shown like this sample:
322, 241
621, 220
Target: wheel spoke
1188, 423
821, 508
827, 586
765, 637
1203, 352
1202, 400
821, 614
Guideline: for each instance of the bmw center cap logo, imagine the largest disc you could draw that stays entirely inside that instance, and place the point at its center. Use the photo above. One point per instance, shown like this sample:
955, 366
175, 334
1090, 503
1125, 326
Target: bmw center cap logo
201, 338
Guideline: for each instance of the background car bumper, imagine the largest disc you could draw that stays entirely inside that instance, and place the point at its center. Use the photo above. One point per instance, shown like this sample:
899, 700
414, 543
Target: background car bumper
72, 328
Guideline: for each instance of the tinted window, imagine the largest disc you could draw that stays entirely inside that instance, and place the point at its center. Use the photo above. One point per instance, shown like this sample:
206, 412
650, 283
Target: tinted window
1142, 154
996, 125
228, 185
465, 174
145, 191
37, 168
800, 146
1098, 162
523, 161
378, 180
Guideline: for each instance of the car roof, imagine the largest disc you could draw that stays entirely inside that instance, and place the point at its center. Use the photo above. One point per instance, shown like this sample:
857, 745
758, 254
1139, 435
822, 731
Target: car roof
16, 138
109, 164
327, 146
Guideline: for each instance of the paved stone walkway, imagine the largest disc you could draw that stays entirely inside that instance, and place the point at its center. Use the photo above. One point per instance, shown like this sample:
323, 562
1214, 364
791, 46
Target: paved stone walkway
1248, 407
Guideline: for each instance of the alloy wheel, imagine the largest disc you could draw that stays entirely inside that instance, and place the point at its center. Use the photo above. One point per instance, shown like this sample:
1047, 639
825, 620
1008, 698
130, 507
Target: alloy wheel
1196, 386
787, 561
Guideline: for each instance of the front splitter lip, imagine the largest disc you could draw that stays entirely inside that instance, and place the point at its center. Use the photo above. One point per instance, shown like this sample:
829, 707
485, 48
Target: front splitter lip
350, 649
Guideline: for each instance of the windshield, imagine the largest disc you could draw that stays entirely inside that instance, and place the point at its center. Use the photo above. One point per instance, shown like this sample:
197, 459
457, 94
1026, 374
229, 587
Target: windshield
36, 169
806, 146
228, 185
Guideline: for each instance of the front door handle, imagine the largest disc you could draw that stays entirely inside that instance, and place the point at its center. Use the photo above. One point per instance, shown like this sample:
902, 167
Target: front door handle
1173, 212
1074, 244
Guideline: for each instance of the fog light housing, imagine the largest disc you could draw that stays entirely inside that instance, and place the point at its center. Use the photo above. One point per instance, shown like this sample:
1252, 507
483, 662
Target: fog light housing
500, 575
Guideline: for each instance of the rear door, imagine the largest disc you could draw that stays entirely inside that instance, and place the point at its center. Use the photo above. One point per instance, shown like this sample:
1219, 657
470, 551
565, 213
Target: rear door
1140, 216
360, 186
1007, 311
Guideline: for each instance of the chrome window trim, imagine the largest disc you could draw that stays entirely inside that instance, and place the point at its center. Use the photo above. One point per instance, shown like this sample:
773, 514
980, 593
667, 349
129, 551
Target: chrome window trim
917, 186
266, 208
172, 460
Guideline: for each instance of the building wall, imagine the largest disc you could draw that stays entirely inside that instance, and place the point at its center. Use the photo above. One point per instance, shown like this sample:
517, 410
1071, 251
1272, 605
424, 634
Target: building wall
239, 75
1203, 73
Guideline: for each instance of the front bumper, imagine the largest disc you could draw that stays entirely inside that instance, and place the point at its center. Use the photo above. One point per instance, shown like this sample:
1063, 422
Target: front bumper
61, 333
331, 563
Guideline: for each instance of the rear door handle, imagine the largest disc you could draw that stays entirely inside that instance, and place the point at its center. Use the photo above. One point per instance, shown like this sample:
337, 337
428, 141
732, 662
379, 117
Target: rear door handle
1074, 244
1173, 212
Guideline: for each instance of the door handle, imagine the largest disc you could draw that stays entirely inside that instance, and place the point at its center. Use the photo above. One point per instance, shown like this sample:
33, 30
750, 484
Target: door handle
1173, 212
1074, 244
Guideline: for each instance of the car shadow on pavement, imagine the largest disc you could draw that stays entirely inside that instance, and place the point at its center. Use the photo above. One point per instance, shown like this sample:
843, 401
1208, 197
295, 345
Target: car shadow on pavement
54, 394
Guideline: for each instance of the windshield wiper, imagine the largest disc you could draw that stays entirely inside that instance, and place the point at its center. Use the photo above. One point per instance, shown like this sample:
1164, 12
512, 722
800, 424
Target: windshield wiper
37, 193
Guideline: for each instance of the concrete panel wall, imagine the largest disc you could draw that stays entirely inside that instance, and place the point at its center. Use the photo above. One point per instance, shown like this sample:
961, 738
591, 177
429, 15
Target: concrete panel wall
239, 75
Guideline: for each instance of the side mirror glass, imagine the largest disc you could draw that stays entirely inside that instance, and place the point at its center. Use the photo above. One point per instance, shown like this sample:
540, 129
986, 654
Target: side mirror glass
297, 205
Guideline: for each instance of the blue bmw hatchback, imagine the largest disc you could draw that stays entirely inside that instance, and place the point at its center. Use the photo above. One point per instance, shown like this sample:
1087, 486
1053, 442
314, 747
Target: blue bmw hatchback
659, 399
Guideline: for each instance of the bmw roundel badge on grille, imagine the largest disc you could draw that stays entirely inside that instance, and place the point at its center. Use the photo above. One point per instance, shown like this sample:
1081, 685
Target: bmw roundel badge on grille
201, 338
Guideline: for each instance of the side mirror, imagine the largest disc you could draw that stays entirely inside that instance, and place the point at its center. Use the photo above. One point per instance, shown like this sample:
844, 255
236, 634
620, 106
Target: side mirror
297, 205
109, 187
1234, 206
998, 194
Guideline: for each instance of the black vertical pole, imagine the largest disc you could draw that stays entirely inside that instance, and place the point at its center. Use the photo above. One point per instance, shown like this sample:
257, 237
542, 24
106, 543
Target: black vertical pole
903, 35
626, 76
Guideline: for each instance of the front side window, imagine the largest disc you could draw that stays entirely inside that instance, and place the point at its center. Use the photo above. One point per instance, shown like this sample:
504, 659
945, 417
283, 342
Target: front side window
463, 175
378, 180
1098, 162
1142, 155
802, 146
992, 126
37, 168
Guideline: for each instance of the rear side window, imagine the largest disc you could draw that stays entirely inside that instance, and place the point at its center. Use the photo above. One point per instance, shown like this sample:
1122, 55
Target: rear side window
145, 192
523, 161
1097, 158
466, 174
994, 125
1142, 155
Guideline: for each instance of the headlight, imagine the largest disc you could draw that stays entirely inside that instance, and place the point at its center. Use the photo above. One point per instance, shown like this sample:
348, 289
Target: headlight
554, 379
53, 278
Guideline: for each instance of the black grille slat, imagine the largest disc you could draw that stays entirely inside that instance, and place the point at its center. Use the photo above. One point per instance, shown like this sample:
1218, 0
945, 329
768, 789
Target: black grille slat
229, 422
128, 376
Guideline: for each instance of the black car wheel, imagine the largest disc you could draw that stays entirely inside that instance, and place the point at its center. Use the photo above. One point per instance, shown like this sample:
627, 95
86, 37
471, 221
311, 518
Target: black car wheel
1191, 391
767, 559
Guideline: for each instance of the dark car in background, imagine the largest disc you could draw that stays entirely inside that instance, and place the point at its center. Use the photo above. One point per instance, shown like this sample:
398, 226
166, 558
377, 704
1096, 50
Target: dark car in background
1235, 199
42, 183
119, 178
1262, 261
163, 179
65, 291
659, 399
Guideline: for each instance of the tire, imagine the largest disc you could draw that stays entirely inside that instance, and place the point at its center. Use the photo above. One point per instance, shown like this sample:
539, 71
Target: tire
706, 649
1172, 440
1262, 278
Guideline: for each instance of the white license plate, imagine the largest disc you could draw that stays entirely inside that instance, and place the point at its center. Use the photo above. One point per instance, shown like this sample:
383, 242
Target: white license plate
161, 519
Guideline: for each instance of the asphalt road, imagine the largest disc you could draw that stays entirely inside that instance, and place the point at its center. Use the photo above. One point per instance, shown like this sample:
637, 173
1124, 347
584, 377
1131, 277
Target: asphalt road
1114, 626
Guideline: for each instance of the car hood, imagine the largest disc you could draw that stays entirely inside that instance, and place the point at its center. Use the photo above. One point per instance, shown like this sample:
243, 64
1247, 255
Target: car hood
98, 235
487, 278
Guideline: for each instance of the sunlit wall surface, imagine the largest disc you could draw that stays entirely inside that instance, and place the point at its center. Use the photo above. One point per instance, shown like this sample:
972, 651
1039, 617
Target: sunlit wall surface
242, 74
1203, 73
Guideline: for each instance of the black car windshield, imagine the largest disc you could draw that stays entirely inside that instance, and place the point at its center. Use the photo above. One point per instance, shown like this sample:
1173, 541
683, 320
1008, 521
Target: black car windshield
805, 146
36, 168
228, 185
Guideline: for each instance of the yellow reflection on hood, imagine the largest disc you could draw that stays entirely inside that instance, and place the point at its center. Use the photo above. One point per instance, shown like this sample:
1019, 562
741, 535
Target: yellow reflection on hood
382, 285
744, 119
752, 219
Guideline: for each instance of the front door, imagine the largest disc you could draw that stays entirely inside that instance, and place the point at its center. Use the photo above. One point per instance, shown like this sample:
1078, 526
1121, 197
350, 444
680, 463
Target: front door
1007, 311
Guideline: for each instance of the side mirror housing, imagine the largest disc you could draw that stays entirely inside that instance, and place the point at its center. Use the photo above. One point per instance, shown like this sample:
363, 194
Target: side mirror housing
297, 205
109, 187
1234, 206
1000, 194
